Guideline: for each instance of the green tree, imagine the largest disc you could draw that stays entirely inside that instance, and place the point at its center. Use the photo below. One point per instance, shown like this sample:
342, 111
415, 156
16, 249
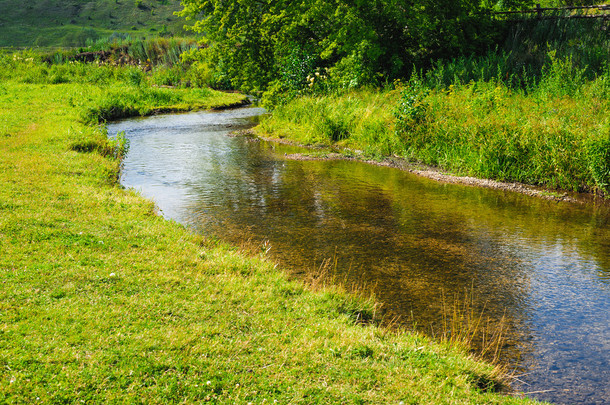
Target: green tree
253, 43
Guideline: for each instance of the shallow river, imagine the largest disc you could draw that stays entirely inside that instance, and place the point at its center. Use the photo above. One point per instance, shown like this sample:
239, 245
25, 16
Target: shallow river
539, 269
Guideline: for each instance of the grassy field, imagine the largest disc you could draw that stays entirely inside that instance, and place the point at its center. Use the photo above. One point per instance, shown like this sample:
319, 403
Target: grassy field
103, 301
71, 23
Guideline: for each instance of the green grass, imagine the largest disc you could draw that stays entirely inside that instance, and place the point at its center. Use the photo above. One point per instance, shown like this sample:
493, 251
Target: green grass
72, 23
362, 120
104, 301
555, 132
487, 130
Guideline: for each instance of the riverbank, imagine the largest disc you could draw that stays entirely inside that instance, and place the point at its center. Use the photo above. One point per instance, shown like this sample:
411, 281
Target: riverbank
434, 173
105, 301
544, 136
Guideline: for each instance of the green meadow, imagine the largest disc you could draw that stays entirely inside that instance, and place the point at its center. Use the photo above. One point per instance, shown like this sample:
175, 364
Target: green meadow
104, 301
67, 23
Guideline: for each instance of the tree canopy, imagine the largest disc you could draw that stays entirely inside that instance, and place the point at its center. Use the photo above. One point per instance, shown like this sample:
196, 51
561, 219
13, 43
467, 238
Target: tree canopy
255, 44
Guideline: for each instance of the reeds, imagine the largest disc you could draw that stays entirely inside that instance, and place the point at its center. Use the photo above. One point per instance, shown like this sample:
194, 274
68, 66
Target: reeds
159, 51
465, 324
356, 299
123, 50
462, 322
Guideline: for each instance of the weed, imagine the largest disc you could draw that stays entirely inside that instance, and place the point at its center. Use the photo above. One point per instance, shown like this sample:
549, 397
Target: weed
465, 326
412, 107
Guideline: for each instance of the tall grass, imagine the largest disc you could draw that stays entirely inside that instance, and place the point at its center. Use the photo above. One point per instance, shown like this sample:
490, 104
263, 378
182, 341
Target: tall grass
530, 47
124, 50
156, 62
534, 111
585, 41
128, 90
550, 134
160, 51
554, 131
361, 119
462, 325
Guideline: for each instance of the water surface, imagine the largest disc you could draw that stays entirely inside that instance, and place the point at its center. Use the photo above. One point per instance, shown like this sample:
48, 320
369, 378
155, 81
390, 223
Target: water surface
541, 268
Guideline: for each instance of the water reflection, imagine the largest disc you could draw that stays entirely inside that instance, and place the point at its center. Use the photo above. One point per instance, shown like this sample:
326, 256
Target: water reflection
543, 267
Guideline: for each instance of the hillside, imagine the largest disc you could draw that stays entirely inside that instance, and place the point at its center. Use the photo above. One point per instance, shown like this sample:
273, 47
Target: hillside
71, 22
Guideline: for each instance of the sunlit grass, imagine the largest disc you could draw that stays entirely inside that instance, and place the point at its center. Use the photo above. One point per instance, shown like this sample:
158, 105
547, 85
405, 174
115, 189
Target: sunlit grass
66, 24
554, 134
362, 120
104, 301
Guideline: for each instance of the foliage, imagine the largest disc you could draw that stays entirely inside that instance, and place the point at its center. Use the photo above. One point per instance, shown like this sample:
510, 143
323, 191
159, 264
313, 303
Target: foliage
274, 46
412, 107
356, 43
124, 50
529, 43
358, 119
161, 62
598, 153
129, 90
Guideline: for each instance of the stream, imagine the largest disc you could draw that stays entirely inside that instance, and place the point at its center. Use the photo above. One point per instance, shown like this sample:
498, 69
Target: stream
538, 270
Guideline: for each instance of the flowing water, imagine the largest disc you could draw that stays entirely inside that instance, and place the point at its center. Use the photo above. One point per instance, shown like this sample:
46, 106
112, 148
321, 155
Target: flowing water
540, 268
